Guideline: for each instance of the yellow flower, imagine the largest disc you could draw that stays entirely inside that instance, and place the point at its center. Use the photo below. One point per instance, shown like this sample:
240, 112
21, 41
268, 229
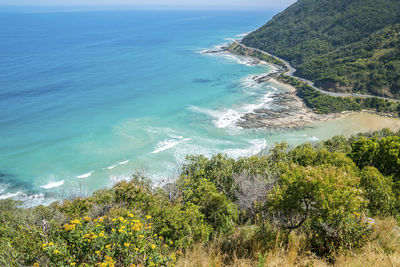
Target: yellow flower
76, 221
152, 264
165, 245
136, 249
56, 251
44, 246
121, 219
113, 229
72, 263
97, 252
108, 246
87, 219
113, 220
130, 215
127, 244
132, 265
161, 238
36, 264
51, 243
153, 246
69, 227
108, 258
141, 236
148, 217
170, 242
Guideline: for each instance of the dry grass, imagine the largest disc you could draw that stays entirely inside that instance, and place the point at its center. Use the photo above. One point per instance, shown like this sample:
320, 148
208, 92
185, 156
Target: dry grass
383, 250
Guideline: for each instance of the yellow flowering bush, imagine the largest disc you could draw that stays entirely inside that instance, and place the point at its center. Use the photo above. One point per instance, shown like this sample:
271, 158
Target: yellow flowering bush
105, 241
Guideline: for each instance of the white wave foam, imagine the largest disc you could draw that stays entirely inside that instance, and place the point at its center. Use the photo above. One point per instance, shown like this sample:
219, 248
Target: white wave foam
241, 35
248, 61
214, 50
313, 139
112, 167
10, 195
53, 184
222, 118
256, 146
167, 144
115, 165
228, 118
86, 175
39, 198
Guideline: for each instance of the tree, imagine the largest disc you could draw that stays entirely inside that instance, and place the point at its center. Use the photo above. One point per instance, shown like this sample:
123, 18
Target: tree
323, 201
378, 190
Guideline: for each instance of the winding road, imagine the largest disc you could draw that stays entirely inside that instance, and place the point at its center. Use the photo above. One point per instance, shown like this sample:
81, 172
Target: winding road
291, 70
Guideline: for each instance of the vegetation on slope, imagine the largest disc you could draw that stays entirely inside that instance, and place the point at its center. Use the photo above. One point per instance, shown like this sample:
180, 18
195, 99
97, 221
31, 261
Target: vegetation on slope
344, 45
306, 205
240, 50
325, 104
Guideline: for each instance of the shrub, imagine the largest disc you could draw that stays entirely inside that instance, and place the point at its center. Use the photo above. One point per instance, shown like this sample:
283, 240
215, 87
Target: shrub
324, 202
105, 241
378, 190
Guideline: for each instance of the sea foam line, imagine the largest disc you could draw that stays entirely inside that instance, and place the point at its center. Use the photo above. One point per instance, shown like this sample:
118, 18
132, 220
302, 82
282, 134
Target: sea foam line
229, 117
86, 175
115, 165
167, 144
53, 184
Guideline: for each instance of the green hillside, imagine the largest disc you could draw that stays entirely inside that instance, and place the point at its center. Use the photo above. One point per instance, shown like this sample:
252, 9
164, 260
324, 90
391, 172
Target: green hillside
342, 45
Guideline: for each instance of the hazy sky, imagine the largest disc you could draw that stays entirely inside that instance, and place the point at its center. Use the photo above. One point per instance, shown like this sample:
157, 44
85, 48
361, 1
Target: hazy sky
230, 3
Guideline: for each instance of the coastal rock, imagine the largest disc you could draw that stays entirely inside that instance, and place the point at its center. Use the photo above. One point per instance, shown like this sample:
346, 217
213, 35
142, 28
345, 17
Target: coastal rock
286, 111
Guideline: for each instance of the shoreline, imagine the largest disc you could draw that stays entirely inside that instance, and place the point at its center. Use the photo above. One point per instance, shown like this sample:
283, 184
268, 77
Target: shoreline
294, 113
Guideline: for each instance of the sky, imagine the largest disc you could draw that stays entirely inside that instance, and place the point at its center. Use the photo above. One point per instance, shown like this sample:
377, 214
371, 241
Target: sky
220, 3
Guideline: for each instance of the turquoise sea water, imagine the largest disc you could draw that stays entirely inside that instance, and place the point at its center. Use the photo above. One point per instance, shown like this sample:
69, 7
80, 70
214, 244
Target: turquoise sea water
88, 97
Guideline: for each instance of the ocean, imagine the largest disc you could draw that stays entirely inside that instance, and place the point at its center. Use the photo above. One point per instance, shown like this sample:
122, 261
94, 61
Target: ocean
88, 98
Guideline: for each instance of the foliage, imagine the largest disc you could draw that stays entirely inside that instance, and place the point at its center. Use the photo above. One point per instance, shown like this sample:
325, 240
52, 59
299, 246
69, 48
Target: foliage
310, 200
378, 190
318, 101
324, 201
324, 104
382, 153
106, 241
342, 45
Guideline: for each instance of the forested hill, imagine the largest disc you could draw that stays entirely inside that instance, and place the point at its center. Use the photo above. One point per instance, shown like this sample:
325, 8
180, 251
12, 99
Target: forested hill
342, 45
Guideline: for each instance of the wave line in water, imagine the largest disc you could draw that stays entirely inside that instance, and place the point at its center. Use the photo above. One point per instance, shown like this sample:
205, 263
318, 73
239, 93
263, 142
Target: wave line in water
86, 175
167, 144
53, 184
115, 165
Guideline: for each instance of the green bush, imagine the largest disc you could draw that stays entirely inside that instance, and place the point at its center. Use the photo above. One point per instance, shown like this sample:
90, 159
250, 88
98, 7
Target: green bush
378, 190
322, 201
